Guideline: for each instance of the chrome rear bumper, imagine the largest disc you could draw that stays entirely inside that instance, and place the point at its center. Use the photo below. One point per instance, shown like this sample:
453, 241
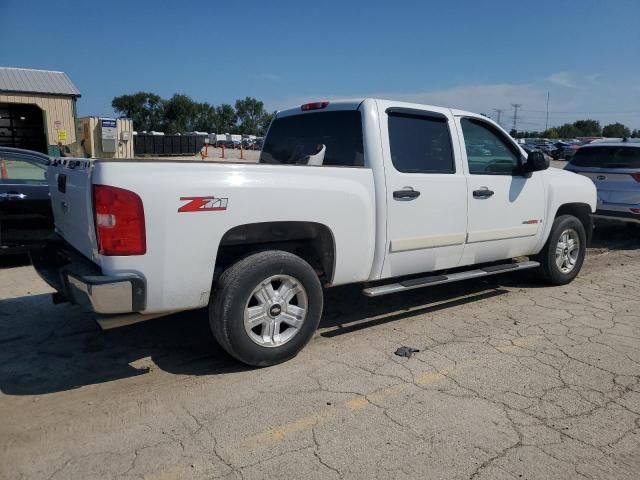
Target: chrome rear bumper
80, 281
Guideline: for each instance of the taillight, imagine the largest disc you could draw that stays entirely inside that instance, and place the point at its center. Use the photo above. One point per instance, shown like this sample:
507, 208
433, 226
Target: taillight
119, 217
635, 210
636, 176
314, 106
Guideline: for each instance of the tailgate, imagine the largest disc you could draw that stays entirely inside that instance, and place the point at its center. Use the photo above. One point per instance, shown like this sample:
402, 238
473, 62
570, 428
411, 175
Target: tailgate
614, 186
71, 201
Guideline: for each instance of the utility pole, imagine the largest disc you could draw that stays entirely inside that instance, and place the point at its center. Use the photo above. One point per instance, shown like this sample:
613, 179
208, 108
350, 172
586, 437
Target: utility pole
515, 106
546, 123
498, 114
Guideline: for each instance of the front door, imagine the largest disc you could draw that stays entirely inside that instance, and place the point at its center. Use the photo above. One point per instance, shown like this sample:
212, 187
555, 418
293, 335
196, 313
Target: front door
426, 190
506, 208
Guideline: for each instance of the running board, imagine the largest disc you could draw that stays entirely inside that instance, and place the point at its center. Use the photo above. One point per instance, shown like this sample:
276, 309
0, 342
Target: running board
448, 278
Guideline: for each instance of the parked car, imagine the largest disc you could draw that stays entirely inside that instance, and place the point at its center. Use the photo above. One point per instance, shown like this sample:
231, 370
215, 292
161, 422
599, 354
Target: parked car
615, 170
390, 202
231, 144
532, 148
25, 208
564, 150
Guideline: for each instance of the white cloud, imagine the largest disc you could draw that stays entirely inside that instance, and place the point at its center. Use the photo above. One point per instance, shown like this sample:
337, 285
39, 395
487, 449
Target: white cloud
563, 79
603, 99
476, 98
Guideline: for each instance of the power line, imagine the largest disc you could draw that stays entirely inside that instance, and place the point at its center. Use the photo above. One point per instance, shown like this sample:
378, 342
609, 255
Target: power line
515, 106
546, 122
580, 113
498, 114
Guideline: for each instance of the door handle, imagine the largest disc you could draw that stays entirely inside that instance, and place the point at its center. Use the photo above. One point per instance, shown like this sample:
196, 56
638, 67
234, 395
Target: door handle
483, 192
407, 194
13, 196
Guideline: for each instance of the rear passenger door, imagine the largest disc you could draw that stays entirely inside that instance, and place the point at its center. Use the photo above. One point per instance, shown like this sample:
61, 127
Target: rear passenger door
426, 190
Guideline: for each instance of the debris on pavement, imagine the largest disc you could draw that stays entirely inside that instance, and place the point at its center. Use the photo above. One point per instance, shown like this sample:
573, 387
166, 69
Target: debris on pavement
406, 351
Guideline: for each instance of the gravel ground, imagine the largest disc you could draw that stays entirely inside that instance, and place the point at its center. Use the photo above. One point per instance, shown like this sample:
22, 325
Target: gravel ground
513, 380
212, 154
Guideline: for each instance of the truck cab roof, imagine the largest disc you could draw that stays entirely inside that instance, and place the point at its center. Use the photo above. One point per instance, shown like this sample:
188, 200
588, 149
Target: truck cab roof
354, 104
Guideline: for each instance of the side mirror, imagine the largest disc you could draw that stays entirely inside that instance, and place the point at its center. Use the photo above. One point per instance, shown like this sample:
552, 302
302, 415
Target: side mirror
535, 162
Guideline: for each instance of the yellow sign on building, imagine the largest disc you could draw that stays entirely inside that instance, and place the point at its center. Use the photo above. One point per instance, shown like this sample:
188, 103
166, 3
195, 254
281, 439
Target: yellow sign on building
62, 135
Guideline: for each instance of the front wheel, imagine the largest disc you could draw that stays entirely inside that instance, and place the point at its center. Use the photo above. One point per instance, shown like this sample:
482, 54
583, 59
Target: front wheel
563, 255
266, 307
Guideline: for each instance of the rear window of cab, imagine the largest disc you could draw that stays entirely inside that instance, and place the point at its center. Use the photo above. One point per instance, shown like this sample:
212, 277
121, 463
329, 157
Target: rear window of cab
321, 138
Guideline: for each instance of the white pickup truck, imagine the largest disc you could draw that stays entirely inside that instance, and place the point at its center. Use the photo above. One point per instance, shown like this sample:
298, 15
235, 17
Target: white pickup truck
392, 195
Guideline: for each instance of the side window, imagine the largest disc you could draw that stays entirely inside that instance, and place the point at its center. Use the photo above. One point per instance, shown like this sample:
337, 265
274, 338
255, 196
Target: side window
19, 171
420, 144
488, 152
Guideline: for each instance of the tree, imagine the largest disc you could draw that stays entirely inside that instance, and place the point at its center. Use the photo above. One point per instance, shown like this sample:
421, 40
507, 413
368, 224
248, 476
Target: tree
550, 133
265, 122
205, 117
250, 113
616, 130
635, 133
144, 108
568, 130
588, 128
225, 119
179, 113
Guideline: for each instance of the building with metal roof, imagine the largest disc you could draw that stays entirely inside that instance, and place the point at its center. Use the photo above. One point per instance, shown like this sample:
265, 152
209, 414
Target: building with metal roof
26, 80
37, 109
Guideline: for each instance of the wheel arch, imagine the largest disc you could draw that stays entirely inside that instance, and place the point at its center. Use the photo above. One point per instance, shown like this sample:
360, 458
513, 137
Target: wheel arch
582, 211
313, 242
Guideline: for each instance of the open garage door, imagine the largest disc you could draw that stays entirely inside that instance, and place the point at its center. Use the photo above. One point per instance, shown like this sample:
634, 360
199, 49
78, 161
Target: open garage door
22, 126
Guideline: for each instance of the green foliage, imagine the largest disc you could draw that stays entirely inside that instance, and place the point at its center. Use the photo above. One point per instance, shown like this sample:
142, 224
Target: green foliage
568, 130
204, 117
250, 112
579, 128
588, 128
227, 119
267, 118
616, 130
181, 114
144, 108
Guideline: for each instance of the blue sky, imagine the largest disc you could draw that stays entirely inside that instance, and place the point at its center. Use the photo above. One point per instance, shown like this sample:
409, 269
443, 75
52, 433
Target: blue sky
477, 55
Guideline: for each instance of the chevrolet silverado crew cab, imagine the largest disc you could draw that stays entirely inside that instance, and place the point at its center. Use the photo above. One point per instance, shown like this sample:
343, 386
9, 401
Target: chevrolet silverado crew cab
391, 195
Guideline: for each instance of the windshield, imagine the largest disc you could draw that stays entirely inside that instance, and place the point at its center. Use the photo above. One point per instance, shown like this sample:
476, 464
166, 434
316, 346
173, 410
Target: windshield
607, 157
301, 139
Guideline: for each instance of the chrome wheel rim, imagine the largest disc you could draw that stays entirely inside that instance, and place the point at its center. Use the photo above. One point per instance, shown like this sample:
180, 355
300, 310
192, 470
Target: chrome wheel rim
275, 311
567, 250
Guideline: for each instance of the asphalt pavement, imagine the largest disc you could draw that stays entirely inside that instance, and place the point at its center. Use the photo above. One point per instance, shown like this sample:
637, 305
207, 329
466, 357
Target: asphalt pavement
513, 380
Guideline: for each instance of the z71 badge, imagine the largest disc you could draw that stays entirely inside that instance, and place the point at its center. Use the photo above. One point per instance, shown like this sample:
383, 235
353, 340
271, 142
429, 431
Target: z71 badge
203, 204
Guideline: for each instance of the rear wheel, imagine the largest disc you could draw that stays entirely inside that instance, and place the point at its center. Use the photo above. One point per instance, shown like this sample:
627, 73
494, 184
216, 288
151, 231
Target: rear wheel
266, 307
563, 255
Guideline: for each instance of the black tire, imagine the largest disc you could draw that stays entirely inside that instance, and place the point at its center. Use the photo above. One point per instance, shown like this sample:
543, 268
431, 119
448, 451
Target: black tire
231, 296
549, 270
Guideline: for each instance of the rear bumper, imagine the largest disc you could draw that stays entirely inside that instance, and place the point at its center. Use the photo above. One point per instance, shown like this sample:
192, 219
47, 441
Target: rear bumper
80, 281
619, 215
